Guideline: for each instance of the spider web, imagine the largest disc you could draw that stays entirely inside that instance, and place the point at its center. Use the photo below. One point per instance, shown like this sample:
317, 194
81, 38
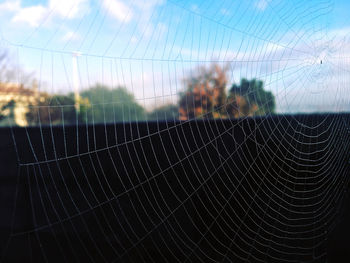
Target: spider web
259, 189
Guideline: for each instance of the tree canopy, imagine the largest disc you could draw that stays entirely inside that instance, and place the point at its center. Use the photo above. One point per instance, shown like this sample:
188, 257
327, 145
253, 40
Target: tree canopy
6, 111
206, 97
53, 109
112, 105
249, 98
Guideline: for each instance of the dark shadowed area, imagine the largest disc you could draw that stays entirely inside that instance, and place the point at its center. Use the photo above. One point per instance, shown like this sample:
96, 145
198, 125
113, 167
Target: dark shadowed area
259, 189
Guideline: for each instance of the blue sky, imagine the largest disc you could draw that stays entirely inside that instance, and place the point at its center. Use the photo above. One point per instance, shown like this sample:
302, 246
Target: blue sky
151, 46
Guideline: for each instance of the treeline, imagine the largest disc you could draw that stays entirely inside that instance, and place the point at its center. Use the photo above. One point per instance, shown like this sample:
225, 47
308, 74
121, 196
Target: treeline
206, 95
98, 104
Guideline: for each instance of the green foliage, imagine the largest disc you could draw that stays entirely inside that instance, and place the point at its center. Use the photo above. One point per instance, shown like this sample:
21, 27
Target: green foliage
7, 112
111, 105
165, 112
98, 104
54, 109
254, 94
205, 97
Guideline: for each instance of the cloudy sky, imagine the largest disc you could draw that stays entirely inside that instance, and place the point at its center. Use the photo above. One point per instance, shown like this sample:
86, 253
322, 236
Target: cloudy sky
151, 46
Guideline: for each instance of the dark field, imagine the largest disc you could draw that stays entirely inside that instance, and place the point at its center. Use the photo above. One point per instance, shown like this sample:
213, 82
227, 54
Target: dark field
265, 189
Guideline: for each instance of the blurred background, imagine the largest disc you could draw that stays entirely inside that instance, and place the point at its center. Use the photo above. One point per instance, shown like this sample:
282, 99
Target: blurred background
87, 61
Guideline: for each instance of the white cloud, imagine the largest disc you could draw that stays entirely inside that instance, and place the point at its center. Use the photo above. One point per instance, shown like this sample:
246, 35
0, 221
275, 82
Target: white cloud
36, 14
33, 15
68, 8
262, 4
10, 6
339, 33
70, 36
134, 40
118, 10
148, 5
124, 10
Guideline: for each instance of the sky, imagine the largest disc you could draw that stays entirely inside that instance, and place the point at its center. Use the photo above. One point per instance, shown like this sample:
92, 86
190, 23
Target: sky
151, 46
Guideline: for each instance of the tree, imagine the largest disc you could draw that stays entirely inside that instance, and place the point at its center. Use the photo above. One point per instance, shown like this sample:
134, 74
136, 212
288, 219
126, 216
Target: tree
9, 72
249, 98
56, 109
97, 104
18, 90
112, 105
165, 112
205, 96
7, 112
